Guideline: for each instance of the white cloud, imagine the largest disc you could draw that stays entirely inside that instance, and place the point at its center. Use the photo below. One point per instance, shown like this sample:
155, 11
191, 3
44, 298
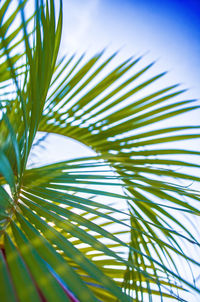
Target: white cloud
78, 16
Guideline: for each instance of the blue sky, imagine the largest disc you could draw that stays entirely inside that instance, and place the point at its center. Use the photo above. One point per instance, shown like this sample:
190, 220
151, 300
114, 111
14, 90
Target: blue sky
168, 31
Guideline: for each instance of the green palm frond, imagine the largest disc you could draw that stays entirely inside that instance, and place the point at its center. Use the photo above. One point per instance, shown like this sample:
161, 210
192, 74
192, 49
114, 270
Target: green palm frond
103, 228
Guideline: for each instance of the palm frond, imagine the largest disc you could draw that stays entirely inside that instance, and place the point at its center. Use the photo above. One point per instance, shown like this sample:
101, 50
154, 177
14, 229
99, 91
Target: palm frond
101, 228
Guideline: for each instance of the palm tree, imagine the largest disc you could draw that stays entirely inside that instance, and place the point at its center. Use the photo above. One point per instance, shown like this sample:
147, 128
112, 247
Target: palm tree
101, 228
